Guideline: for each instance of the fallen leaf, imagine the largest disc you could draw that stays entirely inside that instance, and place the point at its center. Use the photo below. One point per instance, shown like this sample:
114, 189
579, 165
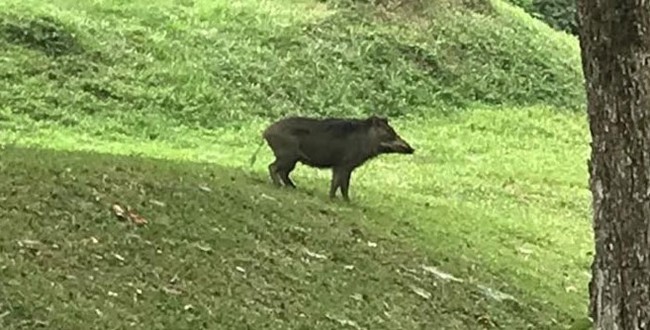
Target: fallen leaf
39, 323
171, 291
265, 196
570, 288
357, 296
204, 248
524, 250
485, 320
137, 219
155, 202
343, 322
440, 274
29, 242
119, 212
421, 292
314, 255
495, 294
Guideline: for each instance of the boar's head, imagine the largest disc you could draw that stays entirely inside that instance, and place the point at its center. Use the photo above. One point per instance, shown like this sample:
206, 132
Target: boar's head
385, 136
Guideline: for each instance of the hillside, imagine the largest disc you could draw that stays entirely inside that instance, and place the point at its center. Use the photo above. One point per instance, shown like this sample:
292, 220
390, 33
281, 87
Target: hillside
504, 212
220, 247
208, 63
495, 194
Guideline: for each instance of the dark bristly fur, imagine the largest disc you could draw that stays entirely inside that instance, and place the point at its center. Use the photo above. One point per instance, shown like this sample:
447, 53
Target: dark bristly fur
337, 143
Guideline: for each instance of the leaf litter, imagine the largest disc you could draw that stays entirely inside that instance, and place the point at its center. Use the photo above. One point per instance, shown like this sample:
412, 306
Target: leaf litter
128, 214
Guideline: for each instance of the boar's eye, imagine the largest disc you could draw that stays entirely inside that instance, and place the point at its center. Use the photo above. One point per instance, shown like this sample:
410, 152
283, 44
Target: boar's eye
388, 133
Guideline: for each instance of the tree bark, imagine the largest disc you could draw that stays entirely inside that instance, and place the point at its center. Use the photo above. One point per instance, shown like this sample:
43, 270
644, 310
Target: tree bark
615, 42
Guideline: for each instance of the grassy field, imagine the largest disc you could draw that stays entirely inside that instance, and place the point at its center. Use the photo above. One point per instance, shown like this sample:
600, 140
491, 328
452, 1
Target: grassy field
160, 107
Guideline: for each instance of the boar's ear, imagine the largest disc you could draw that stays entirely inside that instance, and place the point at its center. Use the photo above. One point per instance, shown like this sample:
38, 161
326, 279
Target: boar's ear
378, 121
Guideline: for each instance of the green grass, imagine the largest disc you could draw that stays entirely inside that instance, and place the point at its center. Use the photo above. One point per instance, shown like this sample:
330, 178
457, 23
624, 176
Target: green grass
209, 64
480, 200
124, 102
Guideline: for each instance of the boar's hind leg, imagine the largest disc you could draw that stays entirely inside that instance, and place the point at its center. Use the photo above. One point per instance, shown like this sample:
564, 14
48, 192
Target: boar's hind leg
273, 173
284, 168
279, 172
285, 149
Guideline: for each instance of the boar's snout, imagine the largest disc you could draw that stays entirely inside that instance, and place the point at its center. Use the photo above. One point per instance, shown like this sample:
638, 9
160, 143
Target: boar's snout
398, 146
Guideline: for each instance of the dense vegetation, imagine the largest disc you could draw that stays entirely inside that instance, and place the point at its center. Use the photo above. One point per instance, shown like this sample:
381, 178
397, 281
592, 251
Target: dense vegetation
495, 195
559, 14
194, 65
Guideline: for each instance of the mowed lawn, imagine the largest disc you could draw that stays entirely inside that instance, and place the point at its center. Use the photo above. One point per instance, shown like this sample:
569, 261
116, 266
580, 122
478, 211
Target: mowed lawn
159, 107
496, 198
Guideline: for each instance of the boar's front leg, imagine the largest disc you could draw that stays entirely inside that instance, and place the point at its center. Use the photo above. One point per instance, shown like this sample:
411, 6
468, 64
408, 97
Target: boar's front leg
344, 179
340, 179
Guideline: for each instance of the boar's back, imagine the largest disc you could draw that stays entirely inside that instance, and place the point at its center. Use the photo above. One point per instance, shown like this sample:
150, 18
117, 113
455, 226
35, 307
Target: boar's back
330, 127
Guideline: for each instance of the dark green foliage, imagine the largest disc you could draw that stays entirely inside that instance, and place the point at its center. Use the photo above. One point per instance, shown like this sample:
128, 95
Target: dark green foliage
42, 33
560, 14
412, 6
525, 4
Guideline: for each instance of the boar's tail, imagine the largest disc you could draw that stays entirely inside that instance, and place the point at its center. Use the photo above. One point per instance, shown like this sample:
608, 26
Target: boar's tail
254, 156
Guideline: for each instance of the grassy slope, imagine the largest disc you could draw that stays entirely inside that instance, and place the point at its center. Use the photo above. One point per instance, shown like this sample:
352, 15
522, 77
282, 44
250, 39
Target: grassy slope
477, 201
210, 64
495, 196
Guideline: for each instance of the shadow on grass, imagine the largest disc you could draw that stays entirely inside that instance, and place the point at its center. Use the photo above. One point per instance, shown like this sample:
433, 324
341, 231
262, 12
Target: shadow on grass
220, 247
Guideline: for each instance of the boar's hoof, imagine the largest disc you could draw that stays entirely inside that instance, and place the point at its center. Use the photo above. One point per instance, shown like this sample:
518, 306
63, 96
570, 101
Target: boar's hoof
343, 198
274, 175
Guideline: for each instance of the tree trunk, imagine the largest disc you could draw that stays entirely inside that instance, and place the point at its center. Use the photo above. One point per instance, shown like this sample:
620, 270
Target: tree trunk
615, 42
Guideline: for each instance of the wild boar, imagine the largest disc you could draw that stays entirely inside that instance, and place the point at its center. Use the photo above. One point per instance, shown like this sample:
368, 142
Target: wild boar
337, 143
